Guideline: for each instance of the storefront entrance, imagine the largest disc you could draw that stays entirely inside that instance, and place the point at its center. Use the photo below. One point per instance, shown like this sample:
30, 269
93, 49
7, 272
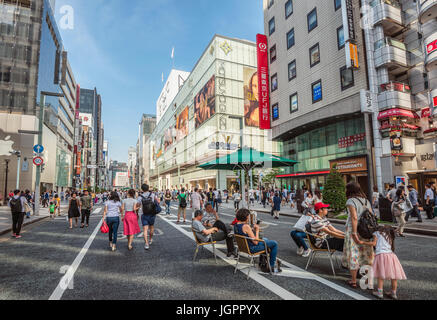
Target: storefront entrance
354, 169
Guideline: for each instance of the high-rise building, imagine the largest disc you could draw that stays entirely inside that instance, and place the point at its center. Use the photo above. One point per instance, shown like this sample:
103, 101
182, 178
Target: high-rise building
32, 60
402, 63
146, 127
215, 112
315, 94
131, 164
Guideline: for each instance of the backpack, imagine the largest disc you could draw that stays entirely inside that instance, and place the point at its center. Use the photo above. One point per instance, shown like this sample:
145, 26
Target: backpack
367, 223
183, 201
264, 263
16, 205
149, 207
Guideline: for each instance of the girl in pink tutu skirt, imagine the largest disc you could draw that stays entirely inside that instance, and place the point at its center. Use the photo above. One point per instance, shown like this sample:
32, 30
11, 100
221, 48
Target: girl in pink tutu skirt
386, 265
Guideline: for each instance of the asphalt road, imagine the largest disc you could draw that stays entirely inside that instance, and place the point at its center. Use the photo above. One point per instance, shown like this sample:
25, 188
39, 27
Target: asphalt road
51, 261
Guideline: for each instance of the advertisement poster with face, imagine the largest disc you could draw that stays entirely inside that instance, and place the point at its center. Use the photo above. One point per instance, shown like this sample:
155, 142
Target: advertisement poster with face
168, 138
251, 101
204, 103
182, 124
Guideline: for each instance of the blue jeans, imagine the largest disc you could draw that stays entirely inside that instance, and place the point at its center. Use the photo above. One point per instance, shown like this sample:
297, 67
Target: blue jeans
167, 206
272, 245
113, 223
299, 237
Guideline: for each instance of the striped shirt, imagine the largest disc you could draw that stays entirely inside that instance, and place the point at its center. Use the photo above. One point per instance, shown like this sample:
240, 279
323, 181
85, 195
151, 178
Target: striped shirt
317, 224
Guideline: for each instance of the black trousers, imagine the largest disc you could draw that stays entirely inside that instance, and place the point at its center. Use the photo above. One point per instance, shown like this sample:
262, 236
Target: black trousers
429, 211
334, 244
86, 216
237, 205
17, 222
223, 235
414, 213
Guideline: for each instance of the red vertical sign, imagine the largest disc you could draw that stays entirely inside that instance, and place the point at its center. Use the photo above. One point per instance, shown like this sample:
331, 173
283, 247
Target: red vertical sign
77, 101
263, 79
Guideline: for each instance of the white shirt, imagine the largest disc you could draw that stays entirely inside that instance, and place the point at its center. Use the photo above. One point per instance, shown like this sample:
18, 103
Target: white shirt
430, 194
113, 209
195, 198
382, 245
302, 222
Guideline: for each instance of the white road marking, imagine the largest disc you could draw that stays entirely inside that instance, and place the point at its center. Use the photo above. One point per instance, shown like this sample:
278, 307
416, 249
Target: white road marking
254, 275
66, 279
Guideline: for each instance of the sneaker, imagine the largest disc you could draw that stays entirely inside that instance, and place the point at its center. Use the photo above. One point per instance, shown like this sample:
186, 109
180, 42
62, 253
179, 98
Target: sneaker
300, 251
17, 236
146, 247
392, 295
150, 241
14, 235
378, 294
306, 253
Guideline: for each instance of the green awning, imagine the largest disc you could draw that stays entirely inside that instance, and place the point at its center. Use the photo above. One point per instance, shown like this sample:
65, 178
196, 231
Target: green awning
247, 159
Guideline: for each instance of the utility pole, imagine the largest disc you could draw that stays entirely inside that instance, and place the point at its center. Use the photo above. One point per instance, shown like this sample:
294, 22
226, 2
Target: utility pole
5, 199
38, 168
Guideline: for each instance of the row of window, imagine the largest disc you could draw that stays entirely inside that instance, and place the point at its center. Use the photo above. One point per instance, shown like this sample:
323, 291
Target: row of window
14, 99
347, 81
311, 17
15, 51
14, 75
19, 30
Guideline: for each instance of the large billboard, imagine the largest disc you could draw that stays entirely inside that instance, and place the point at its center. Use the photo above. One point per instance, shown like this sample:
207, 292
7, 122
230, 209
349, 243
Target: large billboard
168, 138
251, 101
182, 124
204, 103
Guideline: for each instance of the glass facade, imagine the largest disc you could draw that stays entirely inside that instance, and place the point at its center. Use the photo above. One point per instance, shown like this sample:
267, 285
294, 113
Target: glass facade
87, 101
314, 149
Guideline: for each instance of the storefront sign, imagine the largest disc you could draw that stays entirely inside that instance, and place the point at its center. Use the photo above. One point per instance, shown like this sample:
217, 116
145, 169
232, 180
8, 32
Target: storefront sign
431, 47
426, 156
263, 87
350, 165
345, 142
367, 100
348, 19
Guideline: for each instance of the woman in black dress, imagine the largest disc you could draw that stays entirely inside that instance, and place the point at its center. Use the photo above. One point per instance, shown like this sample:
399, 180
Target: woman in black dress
73, 210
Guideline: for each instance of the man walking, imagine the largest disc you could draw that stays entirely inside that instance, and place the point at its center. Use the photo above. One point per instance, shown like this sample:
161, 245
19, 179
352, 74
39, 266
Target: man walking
429, 201
148, 201
87, 206
412, 195
196, 201
17, 205
182, 209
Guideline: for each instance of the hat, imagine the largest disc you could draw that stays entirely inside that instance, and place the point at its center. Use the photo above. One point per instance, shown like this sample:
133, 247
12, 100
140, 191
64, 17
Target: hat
320, 205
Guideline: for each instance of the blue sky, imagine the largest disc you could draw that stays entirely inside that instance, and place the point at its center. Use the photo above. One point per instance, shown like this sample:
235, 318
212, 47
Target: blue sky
122, 47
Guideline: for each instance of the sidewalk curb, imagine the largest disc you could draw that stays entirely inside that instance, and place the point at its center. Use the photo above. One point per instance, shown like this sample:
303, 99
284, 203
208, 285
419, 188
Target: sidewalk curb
5, 231
432, 233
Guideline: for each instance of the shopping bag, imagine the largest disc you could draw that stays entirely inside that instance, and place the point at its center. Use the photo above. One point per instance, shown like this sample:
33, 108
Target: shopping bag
104, 228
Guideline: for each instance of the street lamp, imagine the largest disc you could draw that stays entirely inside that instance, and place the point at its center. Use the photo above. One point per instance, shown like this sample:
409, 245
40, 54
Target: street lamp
42, 103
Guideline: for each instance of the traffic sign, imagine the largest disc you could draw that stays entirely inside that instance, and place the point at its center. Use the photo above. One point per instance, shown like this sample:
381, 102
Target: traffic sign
38, 161
38, 148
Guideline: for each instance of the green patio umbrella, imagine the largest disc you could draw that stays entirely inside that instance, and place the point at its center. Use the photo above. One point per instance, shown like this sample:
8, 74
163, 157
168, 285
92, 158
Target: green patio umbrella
247, 159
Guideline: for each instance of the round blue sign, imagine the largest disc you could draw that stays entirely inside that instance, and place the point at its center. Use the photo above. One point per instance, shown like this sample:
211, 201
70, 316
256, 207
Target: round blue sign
38, 148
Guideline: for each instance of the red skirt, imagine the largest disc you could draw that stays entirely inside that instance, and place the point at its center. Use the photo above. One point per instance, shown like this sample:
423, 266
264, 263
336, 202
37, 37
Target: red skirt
130, 224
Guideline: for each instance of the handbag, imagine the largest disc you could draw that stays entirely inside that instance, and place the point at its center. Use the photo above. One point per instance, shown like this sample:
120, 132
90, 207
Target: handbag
104, 228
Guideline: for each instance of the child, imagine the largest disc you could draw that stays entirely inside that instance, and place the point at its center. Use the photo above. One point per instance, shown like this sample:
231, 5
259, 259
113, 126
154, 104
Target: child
52, 209
386, 265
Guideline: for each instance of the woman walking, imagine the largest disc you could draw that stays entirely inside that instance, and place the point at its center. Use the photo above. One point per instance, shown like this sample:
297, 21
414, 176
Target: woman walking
400, 206
112, 212
356, 254
168, 197
73, 210
130, 217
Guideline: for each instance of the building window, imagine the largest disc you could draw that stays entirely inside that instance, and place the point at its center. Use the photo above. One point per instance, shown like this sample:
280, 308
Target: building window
292, 70
271, 3
275, 112
337, 4
317, 91
340, 38
290, 38
293, 103
314, 55
312, 19
272, 26
274, 82
288, 9
347, 78
273, 54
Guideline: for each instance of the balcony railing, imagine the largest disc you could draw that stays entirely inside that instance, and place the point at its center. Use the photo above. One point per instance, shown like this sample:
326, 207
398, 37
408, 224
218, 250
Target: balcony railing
387, 41
428, 10
393, 3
